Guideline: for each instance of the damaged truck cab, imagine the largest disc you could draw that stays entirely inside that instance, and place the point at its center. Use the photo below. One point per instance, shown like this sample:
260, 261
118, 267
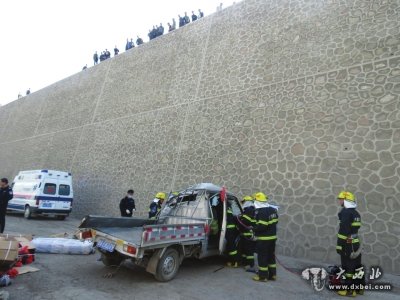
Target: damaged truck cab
190, 224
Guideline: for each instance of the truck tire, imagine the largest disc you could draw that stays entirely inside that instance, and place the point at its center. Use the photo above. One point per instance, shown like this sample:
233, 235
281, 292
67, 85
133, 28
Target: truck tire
28, 212
168, 265
110, 260
61, 218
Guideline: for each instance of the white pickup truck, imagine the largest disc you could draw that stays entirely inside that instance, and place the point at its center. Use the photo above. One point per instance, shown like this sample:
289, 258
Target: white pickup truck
191, 224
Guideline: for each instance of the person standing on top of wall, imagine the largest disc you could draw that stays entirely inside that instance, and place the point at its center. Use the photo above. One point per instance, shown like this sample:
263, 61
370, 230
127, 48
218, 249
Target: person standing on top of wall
6, 194
348, 243
95, 58
201, 14
156, 204
265, 232
181, 21
186, 18
194, 17
116, 51
127, 204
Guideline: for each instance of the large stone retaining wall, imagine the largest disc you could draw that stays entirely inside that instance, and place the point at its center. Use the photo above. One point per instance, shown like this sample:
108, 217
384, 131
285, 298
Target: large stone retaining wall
296, 98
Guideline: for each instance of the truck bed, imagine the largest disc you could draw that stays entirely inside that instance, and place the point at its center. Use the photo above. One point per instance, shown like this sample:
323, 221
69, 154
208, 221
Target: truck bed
130, 235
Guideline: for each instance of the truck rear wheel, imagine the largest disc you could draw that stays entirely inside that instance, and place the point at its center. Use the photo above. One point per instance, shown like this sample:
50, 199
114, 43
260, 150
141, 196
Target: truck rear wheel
168, 265
111, 260
61, 218
27, 212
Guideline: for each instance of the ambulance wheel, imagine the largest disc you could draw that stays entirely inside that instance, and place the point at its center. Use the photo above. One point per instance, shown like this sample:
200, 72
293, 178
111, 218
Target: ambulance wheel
61, 218
168, 265
27, 212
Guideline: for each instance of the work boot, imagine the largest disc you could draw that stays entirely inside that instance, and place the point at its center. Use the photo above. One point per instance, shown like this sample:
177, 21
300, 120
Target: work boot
273, 278
349, 293
261, 279
232, 265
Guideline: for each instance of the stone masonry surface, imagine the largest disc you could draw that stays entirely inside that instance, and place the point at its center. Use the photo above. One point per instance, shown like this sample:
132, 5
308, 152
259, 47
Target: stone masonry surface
296, 98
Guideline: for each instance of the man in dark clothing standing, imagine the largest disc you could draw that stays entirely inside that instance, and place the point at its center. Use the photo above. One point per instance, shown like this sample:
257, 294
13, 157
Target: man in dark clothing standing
201, 14
181, 21
139, 41
95, 58
246, 223
231, 238
116, 51
6, 194
160, 30
194, 17
127, 205
107, 53
128, 45
28, 91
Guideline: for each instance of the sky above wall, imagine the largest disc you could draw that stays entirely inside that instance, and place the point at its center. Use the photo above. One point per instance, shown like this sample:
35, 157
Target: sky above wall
44, 41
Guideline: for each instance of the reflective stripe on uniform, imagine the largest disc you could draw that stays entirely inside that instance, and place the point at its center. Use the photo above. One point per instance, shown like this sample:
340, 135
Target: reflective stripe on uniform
272, 266
249, 257
266, 238
263, 222
356, 224
341, 236
232, 252
339, 247
249, 219
263, 268
247, 234
349, 275
231, 226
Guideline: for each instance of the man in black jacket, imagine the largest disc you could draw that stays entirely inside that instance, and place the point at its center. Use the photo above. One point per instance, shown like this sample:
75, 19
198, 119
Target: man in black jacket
246, 223
6, 194
127, 205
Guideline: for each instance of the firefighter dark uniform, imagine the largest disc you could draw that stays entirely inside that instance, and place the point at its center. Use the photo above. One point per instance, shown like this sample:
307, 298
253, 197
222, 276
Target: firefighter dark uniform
231, 235
348, 242
265, 232
155, 205
246, 223
6, 194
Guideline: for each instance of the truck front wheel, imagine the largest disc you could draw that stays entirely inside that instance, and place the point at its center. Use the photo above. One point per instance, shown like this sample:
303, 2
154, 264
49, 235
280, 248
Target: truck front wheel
168, 265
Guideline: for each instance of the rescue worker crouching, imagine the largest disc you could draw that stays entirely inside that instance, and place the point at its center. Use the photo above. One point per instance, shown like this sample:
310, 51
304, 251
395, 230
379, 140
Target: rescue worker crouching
155, 205
231, 236
348, 243
265, 233
246, 223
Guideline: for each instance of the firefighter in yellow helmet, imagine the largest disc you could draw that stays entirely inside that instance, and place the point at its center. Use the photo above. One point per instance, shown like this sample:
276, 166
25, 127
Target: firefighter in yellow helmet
348, 243
246, 222
155, 205
265, 233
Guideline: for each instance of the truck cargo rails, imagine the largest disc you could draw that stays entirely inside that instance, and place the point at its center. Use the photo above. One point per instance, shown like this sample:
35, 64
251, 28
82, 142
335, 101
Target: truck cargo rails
190, 224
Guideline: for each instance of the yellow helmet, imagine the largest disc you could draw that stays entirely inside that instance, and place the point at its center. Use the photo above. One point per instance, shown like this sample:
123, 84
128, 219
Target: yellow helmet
160, 195
346, 196
260, 197
247, 198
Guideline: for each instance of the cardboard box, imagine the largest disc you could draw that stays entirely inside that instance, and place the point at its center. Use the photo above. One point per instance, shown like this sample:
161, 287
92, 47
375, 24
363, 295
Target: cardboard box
8, 254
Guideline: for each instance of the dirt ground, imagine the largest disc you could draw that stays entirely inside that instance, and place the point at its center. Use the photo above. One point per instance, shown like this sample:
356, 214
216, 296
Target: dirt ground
81, 276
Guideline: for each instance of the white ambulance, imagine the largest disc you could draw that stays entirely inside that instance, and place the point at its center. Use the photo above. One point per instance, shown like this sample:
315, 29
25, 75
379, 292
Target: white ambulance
42, 192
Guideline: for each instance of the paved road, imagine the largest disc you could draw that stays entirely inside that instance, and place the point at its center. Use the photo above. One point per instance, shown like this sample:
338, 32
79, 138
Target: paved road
81, 277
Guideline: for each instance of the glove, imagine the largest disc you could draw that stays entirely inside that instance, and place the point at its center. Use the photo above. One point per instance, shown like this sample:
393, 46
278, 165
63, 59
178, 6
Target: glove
134, 209
128, 211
